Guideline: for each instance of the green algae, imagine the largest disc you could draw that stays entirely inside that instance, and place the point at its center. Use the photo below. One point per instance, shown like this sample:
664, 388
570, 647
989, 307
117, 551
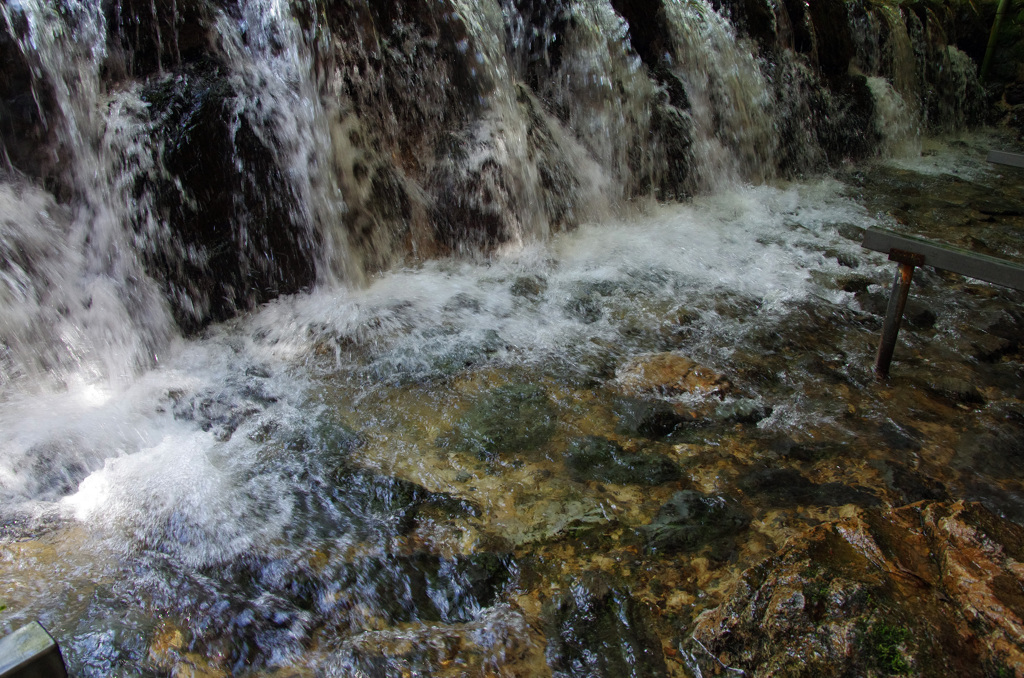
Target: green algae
506, 421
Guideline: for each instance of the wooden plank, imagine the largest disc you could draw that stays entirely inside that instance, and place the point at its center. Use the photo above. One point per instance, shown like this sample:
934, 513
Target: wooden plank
1006, 158
948, 258
30, 652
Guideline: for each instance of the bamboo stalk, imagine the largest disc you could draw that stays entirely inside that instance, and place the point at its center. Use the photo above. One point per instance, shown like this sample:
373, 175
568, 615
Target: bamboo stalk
992, 38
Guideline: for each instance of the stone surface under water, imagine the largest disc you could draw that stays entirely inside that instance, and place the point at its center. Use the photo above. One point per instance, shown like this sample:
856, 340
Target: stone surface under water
648, 447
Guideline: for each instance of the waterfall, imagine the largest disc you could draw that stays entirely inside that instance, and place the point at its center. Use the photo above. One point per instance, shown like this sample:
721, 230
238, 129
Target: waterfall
78, 302
190, 162
735, 129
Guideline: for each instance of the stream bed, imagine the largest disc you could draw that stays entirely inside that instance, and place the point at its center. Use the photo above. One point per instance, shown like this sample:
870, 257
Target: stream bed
650, 446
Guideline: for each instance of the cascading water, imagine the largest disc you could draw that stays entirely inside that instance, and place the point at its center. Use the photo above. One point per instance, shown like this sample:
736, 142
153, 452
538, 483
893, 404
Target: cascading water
239, 439
735, 128
103, 318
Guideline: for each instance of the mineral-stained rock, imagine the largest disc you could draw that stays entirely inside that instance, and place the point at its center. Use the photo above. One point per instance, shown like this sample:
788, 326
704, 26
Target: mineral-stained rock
669, 374
597, 629
927, 589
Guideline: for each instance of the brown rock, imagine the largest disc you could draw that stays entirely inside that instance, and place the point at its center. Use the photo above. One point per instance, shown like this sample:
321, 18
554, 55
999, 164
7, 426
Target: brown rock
669, 374
927, 589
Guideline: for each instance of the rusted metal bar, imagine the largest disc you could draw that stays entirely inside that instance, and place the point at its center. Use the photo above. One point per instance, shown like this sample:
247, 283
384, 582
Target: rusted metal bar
948, 258
910, 252
893, 318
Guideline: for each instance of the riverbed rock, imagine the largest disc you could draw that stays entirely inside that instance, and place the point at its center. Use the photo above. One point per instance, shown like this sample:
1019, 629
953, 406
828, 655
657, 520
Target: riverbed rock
669, 374
604, 460
691, 520
597, 628
506, 421
928, 589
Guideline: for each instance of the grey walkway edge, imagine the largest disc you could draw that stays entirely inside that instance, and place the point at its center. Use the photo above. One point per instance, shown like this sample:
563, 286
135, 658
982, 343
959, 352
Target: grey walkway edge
948, 258
1006, 158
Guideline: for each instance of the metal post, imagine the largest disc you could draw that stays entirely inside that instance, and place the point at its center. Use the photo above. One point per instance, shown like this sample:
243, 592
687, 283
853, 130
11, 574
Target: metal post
893, 318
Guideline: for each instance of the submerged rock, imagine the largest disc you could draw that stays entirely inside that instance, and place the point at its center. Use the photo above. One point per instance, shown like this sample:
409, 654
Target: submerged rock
601, 459
649, 418
510, 419
691, 520
669, 374
597, 629
789, 487
529, 286
927, 589
446, 650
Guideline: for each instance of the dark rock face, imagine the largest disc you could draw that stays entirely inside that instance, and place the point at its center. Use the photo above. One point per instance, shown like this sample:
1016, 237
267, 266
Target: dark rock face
27, 141
598, 629
927, 589
147, 38
235, 237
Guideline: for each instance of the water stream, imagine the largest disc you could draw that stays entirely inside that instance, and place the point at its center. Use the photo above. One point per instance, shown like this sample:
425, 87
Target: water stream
396, 443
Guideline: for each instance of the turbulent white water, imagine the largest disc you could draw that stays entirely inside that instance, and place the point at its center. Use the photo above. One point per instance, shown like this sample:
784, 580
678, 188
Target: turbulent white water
755, 244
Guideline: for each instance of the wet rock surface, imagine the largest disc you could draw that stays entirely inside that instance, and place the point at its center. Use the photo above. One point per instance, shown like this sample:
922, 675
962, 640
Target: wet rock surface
510, 420
700, 474
927, 589
599, 629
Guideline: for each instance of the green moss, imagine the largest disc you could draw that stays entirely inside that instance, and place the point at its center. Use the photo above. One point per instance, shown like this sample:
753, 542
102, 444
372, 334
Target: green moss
885, 645
507, 420
596, 458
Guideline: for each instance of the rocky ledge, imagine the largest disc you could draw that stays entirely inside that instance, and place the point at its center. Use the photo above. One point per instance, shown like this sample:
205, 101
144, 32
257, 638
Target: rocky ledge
927, 589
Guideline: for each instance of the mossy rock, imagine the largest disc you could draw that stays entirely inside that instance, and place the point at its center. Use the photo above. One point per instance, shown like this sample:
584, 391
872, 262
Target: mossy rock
508, 420
691, 520
601, 459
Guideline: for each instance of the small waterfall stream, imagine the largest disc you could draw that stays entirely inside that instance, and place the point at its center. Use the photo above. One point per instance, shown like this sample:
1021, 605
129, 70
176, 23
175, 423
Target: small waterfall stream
323, 326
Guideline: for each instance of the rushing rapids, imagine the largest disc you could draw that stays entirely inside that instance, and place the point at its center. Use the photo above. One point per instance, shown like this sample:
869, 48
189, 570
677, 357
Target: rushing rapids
500, 337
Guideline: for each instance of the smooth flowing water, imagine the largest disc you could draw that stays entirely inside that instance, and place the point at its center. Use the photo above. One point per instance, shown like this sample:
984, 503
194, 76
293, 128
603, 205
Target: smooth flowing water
481, 449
